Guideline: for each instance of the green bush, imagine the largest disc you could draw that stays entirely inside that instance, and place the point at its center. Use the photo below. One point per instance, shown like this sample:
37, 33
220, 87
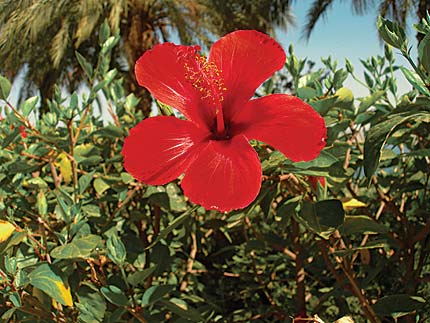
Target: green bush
82, 241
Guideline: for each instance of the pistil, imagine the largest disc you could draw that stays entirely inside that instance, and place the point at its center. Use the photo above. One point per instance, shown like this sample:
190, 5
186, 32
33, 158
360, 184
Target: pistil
220, 126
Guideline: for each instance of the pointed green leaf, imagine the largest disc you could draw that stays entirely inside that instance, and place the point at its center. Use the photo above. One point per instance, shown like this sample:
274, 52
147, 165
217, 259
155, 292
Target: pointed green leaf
322, 217
424, 52
92, 308
29, 105
325, 159
116, 249
361, 224
104, 32
11, 137
187, 313
84, 181
139, 277
4, 88
415, 80
154, 293
370, 100
378, 135
80, 247
114, 295
42, 204
86, 66
391, 32
398, 305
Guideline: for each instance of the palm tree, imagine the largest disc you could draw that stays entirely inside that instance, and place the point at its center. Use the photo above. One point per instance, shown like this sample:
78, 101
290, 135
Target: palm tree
397, 10
40, 37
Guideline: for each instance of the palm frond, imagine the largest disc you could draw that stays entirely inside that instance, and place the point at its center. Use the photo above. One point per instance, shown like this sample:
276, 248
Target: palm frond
60, 43
90, 12
360, 7
318, 9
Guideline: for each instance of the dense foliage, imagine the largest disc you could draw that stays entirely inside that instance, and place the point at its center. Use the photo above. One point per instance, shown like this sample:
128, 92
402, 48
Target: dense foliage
82, 241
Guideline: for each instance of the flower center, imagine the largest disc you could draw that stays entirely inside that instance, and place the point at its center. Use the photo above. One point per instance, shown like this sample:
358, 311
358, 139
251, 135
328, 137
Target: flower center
207, 79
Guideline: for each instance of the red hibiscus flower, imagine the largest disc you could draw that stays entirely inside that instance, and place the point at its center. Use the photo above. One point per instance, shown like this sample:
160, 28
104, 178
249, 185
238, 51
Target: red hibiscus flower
222, 170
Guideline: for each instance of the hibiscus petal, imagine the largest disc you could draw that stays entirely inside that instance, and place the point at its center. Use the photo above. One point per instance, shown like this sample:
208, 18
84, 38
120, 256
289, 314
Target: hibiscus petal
159, 149
284, 122
246, 59
161, 70
225, 176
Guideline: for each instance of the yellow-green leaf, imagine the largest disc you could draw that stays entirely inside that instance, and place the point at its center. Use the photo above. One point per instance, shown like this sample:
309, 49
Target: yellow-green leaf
47, 280
65, 166
352, 204
100, 185
6, 230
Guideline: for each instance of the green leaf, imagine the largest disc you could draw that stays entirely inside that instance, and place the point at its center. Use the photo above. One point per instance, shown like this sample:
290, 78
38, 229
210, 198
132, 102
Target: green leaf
116, 249
47, 280
361, 224
324, 216
139, 277
324, 105
29, 105
306, 93
424, 52
110, 131
15, 299
325, 159
154, 293
86, 66
131, 101
84, 181
74, 100
419, 153
104, 32
126, 178
4, 88
8, 314
91, 160
109, 44
376, 244
398, 305
42, 204
391, 32
415, 80
330, 213
114, 295
378, 135
349, 66
92, 307
370, 100
187, 313
11, 137
100, 185
338, 78
80, 247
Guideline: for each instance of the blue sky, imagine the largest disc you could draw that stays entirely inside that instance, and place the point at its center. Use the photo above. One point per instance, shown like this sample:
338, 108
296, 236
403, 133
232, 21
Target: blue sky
341, 34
